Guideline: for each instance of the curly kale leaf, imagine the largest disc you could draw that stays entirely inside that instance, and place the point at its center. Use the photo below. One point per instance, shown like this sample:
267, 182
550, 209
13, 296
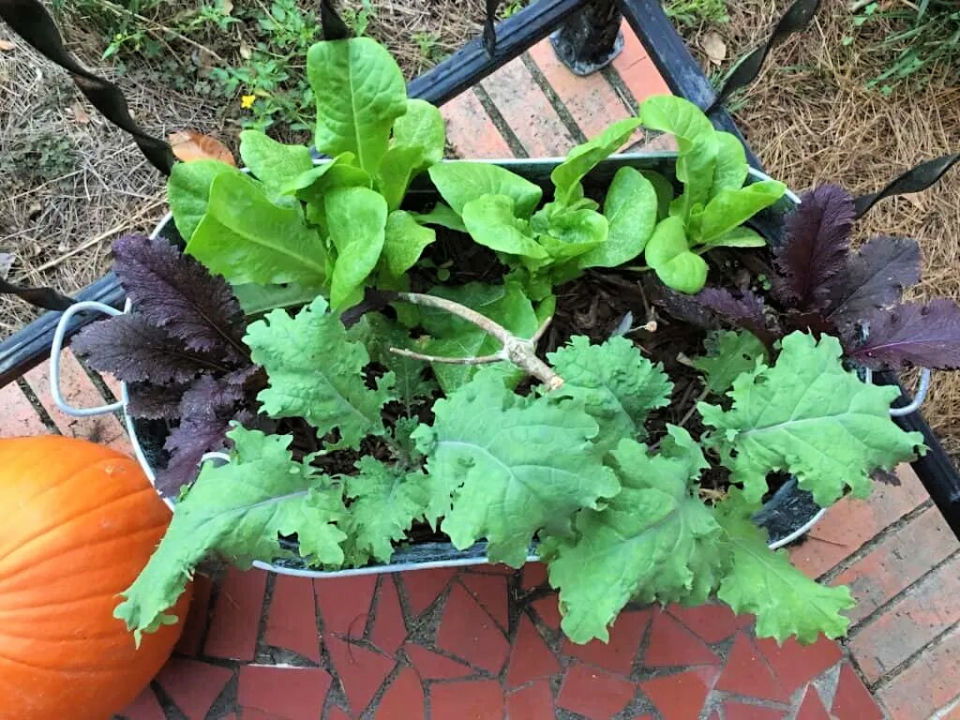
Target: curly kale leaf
763, 582
502, 466
654, 539
729, 354
385, 502
616, 384
174, 291
316, 373
238, 511
379, 333
808, 416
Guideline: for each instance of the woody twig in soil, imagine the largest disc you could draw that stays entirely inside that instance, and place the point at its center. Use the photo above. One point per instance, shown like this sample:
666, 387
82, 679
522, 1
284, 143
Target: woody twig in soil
522, 352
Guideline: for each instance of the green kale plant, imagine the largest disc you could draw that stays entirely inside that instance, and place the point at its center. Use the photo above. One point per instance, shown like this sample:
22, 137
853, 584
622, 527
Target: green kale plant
564, 465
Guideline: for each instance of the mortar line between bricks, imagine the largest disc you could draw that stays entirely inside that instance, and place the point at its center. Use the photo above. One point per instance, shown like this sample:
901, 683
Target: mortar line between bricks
858, 628
891, 674
171, 710
612, 77
370, 711
516, 147
865, 549
105, 392
214, 577
38, 407
260, 644
226, 702
555, 100
949, 707
855, 664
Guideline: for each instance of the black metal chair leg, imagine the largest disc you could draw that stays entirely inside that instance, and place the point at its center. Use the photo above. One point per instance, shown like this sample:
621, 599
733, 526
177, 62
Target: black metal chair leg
590, 39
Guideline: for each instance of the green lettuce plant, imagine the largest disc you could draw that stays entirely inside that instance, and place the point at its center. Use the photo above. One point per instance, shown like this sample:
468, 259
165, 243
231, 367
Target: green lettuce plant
356, 407
329, 226
554, 243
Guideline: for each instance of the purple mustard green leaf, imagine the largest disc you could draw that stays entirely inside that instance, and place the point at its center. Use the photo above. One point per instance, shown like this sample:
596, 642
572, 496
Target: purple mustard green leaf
174, 291
155, 402
682, 307
873, 278
134, 350
206, 411
911, 334
815, 248
744, 310
748, 306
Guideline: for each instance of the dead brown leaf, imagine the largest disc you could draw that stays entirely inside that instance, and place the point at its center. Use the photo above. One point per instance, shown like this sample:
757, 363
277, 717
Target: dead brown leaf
6, 45
80, 115
189, 145
714, 46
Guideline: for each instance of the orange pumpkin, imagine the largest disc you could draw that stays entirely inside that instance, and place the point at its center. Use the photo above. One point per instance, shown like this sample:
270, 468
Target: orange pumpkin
79, 522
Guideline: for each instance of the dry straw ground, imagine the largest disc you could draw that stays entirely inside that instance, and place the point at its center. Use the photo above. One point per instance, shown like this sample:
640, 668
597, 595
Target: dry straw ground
69, 183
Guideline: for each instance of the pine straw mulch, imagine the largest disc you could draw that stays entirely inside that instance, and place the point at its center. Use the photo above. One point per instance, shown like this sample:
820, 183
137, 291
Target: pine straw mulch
809, 117
70, 182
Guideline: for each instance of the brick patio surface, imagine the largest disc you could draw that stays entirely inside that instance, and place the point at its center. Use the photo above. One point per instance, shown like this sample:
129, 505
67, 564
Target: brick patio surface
484, 642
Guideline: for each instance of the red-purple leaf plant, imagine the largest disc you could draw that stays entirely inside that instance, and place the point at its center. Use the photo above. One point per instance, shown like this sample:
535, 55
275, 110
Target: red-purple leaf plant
182, 351
823, 285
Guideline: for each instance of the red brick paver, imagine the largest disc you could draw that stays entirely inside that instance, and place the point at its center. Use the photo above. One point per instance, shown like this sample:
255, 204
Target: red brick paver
914, 620
472, 132
527, 110
851, 523
19, 416
476, 664
930, 683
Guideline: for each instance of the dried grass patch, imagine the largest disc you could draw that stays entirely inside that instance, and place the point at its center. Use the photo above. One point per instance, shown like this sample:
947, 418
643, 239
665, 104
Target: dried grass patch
70, 182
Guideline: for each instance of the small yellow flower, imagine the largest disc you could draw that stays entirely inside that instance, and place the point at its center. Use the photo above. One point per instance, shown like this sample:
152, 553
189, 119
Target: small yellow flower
246, 101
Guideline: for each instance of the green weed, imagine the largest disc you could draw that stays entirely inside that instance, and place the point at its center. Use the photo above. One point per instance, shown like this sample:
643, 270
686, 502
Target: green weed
39, 157
694, 13
512, 8
255, 63
358, 19
924, 41
270, 75
428, 44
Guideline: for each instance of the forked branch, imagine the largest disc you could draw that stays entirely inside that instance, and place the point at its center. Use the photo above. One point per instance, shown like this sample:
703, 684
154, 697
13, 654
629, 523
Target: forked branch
522, 352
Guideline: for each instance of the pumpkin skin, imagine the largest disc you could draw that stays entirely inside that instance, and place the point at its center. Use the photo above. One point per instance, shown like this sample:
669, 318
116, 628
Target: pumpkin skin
79, 522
